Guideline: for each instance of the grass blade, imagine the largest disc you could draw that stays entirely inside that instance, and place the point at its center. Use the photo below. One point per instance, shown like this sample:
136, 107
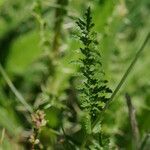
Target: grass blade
14, 90
124, 77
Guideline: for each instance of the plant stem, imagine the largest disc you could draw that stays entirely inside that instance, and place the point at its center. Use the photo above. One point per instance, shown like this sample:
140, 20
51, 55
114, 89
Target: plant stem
133, 122
59, 16
145, 140
14, 90
129, 68
2, 136
124, 76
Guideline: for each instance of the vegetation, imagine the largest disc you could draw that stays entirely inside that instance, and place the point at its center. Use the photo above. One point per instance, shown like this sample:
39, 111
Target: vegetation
74, 75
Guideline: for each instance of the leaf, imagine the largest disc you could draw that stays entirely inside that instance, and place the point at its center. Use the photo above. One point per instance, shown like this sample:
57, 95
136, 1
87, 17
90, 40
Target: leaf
86, 123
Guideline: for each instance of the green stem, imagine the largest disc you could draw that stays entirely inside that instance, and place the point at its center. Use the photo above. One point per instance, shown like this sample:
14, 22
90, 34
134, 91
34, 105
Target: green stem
133, 123
14, 90
2, 136
124, 77
145, 140
129, 68
59, 18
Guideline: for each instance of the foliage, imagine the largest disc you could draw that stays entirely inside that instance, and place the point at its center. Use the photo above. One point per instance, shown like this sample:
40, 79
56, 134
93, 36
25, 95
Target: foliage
43, 105
93, 91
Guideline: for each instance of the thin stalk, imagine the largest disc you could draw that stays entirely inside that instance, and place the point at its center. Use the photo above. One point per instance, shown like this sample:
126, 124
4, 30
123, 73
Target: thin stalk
133, 122
14, 90
144, 142
129, 68
124, 76
2, 136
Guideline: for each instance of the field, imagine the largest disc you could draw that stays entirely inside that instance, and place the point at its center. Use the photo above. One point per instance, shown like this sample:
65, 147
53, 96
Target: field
74, 75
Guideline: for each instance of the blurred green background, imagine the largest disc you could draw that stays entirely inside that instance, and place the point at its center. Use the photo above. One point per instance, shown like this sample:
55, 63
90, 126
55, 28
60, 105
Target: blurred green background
37, 46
